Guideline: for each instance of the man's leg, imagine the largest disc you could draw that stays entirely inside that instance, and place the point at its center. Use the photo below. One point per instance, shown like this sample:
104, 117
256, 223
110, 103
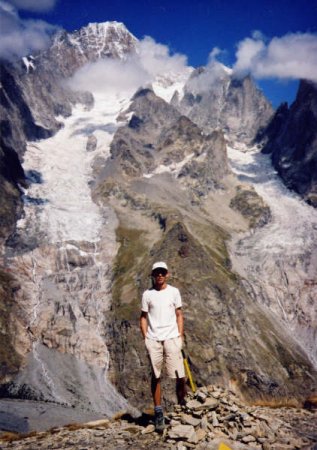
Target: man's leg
155, 350
156, 390
175, 366
181, 390
158, 410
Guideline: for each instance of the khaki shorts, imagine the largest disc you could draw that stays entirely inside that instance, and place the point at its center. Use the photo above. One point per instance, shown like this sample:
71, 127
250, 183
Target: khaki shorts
171, 349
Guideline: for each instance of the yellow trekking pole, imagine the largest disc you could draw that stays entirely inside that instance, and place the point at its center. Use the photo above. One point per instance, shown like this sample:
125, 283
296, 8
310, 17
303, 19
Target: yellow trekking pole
223, 446
188, 373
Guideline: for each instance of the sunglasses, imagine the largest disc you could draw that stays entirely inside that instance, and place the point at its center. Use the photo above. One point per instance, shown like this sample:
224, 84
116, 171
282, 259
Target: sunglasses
158, 272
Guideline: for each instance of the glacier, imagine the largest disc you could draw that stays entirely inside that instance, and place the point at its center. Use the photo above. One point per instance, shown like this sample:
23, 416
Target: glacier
280, 259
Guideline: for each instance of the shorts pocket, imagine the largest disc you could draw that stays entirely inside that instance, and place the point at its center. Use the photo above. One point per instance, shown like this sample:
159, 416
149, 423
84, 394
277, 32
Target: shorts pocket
151, 345
179, 342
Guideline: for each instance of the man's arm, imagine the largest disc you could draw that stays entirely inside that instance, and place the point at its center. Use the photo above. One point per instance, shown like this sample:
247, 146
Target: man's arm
143, 323
180, 321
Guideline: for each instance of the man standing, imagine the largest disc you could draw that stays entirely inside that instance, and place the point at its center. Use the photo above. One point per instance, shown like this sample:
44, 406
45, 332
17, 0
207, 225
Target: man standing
162, 327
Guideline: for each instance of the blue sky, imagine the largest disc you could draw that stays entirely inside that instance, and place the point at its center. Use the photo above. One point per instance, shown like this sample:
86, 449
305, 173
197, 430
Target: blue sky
193, 28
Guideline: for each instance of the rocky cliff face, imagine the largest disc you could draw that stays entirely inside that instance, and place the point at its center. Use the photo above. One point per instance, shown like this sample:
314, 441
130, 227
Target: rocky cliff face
11, 173
32, 96
292, 141
158, 139
214, 98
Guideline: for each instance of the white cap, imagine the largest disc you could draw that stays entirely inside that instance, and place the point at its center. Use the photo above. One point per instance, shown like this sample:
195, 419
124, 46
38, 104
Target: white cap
159, 265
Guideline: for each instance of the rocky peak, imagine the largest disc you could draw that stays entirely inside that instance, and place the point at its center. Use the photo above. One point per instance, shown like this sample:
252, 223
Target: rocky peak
98, 40
291, 138
214, 98
157, 138
205, 85
134, 144
70, 51
246, 110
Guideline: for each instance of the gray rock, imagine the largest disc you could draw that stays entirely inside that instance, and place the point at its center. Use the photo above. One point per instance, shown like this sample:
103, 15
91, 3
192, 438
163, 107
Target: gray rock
211, 403
249, 438
204, 424
148, 429
201, 396
91, 143
215, 422
190, 420
201, 434
193, 404
180, 446
184, 432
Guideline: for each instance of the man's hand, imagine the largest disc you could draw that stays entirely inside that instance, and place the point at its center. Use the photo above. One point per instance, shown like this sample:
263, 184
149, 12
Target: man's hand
143, 323
180, 322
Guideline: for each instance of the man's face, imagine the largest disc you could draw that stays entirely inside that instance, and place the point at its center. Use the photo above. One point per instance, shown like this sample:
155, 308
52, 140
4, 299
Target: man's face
160, 276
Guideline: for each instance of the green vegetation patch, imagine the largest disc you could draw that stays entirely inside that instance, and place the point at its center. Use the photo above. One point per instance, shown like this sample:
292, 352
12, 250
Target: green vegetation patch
211, 240
9, 204
9, 359
251, 206
125, 290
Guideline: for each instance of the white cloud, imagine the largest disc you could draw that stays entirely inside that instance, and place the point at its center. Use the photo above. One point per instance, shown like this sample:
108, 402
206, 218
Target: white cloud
156, 59
138, 70
213, 54
249, 50
110, 75
34, 5
291, 56
21, 37
207, 79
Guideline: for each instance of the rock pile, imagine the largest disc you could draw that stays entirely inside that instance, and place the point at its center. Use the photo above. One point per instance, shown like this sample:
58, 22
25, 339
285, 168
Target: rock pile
211, 417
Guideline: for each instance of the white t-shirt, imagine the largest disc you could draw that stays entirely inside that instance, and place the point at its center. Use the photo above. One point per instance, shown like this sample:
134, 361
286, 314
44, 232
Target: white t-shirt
160, 306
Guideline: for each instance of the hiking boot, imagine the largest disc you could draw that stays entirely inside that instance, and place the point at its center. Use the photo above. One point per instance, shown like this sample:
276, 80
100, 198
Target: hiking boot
159, 421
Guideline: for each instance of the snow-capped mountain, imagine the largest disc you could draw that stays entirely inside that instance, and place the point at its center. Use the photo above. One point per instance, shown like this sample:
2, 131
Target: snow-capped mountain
113, 180
33, 90
69, 51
